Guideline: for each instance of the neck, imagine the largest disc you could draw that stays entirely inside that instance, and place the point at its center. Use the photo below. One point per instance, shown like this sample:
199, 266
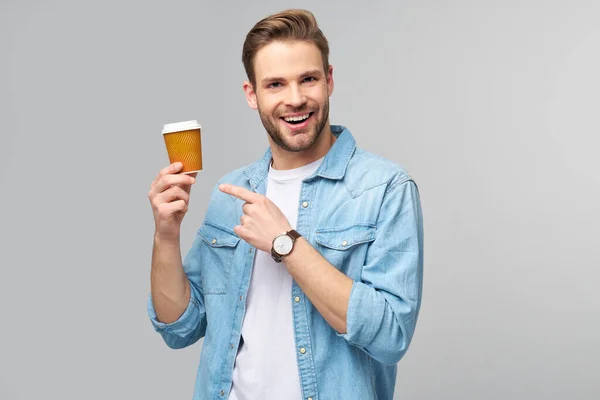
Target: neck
283, 159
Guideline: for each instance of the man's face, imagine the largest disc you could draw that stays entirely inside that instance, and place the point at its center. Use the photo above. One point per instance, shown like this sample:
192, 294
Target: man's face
291, 93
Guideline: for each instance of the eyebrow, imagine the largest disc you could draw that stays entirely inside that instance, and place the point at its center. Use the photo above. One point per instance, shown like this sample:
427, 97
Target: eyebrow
312, 72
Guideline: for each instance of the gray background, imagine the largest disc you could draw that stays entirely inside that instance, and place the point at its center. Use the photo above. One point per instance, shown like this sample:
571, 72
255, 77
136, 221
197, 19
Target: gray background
491, 105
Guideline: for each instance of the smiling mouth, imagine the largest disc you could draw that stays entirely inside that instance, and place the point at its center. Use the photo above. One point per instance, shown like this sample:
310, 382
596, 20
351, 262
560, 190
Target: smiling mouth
298, 119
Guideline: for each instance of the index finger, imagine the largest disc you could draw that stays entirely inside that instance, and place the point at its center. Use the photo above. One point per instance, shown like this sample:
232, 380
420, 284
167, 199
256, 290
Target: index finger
240, 192
172, 168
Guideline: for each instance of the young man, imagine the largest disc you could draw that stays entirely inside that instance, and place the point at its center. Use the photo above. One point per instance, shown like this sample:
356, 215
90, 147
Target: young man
305, 276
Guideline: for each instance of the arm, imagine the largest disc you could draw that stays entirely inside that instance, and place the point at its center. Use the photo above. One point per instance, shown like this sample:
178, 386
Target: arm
169, 285
326, 287
176, 304
379, 313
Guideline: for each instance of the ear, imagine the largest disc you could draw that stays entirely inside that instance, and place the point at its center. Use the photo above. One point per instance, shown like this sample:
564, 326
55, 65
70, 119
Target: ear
330, 80
250, 95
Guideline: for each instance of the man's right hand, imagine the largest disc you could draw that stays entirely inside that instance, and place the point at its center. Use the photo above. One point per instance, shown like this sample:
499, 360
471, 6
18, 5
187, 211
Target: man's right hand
169, 196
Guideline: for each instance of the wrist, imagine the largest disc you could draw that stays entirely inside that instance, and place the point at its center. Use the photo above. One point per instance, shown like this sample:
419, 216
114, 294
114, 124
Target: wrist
283, 244
166, 239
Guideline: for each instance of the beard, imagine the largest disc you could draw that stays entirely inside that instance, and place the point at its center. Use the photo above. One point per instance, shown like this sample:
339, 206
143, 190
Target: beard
271, 125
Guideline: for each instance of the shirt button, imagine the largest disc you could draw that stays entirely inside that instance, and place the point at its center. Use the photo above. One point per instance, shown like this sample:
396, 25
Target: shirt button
344, 243
214, 241
231, 346
305, 204
241, 298
302, 350
297, 299
310, 398
222, 393
250, 251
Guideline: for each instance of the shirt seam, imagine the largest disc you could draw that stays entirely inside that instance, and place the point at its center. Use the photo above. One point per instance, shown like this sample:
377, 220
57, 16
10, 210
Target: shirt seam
391, 188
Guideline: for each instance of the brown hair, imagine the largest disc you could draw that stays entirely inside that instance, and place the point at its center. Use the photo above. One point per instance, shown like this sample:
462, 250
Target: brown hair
288, 25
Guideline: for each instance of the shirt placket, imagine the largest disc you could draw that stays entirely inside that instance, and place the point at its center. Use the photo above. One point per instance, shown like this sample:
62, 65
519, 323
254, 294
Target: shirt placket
304, 348
240, 308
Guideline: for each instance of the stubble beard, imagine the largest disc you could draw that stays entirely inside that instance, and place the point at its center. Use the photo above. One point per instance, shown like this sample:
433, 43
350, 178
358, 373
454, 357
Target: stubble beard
270, 124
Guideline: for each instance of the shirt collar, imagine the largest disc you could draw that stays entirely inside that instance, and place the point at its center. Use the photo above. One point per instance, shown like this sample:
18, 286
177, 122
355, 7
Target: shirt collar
333, 166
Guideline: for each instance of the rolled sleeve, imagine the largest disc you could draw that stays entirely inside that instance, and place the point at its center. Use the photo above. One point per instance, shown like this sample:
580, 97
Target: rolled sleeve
184, 331
364, 315
190, 318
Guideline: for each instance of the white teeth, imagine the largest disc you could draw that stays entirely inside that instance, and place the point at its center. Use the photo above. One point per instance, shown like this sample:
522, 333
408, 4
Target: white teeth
299, 118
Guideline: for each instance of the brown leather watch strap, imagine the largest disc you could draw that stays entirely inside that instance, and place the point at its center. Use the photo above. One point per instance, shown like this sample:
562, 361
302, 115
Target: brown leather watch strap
293, 234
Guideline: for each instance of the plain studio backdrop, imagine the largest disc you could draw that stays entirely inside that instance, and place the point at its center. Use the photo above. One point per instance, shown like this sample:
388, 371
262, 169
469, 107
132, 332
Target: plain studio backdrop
492, 106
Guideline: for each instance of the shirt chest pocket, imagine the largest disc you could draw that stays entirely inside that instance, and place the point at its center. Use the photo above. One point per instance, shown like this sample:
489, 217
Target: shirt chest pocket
345, 247
218, 254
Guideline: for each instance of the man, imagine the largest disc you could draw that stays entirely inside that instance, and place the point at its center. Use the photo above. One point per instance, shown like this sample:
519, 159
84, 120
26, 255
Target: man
305, 276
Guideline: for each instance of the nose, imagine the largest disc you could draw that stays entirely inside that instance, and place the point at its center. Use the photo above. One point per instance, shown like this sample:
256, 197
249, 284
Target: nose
295, 98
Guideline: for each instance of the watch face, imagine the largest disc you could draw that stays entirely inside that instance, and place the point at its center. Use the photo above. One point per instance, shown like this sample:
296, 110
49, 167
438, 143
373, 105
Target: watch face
283, 245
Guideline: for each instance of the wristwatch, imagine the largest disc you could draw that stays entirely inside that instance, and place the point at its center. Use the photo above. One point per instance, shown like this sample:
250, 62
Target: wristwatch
283, 244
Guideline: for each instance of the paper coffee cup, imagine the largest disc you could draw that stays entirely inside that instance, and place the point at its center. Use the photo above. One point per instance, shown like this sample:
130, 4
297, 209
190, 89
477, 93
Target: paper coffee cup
184, 144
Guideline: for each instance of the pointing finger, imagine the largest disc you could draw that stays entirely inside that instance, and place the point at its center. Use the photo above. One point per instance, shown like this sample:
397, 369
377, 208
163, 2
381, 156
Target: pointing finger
240, 192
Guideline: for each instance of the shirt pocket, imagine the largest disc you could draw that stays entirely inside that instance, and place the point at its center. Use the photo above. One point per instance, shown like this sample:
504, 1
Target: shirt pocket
345, 245
219, 245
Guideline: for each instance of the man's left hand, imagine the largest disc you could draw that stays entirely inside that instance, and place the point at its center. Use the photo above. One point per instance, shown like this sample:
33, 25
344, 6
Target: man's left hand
262, 220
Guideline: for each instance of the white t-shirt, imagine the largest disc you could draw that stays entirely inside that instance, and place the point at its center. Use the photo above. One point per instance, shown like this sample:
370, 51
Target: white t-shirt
265, 366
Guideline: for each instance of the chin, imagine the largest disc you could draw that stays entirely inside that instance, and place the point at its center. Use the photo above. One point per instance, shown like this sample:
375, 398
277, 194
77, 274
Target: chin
301, 141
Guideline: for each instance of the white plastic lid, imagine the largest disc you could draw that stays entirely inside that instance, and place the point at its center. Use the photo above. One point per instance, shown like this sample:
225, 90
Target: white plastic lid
181, 126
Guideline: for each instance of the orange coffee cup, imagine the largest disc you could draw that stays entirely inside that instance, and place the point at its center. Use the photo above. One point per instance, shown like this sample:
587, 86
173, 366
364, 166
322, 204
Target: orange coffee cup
184, 144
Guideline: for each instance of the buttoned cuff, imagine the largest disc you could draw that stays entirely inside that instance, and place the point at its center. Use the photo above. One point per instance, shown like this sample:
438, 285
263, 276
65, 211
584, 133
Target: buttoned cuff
364, 316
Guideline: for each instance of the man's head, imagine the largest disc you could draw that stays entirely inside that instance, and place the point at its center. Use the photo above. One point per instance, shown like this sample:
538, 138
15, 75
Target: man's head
286, 26
286, 57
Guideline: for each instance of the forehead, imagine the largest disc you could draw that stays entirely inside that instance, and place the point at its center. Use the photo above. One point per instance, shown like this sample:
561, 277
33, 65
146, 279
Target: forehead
286, 59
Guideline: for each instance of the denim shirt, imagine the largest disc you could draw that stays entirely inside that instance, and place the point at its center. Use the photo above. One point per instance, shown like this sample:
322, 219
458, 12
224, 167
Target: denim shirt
363, 214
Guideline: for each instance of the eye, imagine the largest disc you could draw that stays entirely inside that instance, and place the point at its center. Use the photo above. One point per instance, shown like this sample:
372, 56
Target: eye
274, 85
310, 79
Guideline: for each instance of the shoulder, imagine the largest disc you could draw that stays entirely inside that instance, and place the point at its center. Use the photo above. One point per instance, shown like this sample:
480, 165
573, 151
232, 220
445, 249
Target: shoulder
368, 170
234, 177
222, 209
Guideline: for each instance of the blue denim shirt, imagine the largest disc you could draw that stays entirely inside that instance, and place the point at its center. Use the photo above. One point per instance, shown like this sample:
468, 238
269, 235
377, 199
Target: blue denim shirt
363, 214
